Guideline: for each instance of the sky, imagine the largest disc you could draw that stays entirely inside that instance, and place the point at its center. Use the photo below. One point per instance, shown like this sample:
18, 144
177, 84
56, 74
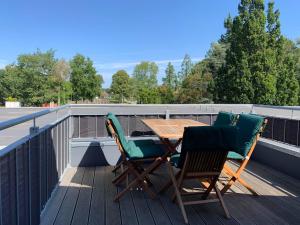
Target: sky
118, 34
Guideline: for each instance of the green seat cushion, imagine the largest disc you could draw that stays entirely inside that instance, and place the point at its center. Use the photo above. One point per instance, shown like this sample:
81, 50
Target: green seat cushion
143, 149
234, 155
118, 129
248, 126
224, 119
144, 142
175, 159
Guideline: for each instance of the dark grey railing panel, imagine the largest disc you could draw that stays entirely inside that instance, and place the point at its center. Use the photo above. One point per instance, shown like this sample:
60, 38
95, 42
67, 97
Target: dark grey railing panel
291, 132
29, 173
22, 165
283, 130
8, 189
94, 126
34, 180
279, 129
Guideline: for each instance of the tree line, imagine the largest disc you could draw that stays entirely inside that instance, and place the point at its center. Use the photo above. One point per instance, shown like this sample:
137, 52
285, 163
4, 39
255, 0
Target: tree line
252, 62
38, 78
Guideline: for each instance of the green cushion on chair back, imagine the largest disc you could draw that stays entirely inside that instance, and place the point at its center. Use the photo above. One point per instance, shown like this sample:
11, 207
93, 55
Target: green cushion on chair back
224, 119
119, 130
204, 138
248, 126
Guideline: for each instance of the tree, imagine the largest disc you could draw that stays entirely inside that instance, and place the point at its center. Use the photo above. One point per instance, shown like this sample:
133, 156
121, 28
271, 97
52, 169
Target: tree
170, 79
287, 86
86, 84
167, 89
33, 72
195, 87
60, 74
215, 57
249, 74
186, 68
145, 83
120, 86
10, 83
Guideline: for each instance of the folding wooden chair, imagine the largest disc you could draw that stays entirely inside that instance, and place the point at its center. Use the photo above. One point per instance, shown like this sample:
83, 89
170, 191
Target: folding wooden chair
202, 156
249, 128
133, 155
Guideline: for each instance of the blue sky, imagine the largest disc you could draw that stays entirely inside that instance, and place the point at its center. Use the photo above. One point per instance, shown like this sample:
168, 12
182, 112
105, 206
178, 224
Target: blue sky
118, 34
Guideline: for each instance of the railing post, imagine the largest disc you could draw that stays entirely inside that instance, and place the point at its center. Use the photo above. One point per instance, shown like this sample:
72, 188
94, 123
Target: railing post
34, 129
167, 114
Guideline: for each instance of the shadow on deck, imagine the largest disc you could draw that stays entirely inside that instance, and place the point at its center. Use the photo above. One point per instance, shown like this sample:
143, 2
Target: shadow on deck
85, 196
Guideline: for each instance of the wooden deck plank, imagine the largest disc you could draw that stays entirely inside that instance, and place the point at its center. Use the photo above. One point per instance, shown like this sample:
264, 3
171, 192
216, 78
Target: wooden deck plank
128, 214
285, 183
112, 209
142, 210
171, 208
97, 211
84, 198
66, 211
54, 204
82, 210
273, 199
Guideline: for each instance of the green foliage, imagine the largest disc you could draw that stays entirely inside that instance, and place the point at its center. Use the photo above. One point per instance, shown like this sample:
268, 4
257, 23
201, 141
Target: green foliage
11, 99
32, 72
86, 84
120, 87
58, 79
186, 68
195, 87
145, 83
167, 90
170, 80
167, 95
256, 70
215, 57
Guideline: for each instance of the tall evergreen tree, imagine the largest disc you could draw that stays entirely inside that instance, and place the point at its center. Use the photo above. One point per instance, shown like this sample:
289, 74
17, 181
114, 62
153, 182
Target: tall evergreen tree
254, 66
186, 68
287, 86
167, 89
170, 79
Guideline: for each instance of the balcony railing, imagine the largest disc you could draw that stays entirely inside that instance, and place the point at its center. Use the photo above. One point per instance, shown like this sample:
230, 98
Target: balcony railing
32, 166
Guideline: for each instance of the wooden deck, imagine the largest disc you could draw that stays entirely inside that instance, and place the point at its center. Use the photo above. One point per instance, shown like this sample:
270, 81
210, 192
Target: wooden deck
85, 197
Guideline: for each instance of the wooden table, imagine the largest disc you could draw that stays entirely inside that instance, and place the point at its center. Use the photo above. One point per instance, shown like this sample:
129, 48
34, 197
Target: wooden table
170, 129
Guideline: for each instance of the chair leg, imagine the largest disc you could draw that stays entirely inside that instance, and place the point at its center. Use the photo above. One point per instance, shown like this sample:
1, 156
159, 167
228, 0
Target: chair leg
177, 193
116, 168
222, 202
209, 189
139, 178
168, 184
228, 185
121, 177
246, 185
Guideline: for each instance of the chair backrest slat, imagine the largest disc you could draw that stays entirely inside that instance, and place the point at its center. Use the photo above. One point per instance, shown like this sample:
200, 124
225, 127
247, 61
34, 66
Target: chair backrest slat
204, 149
206, 161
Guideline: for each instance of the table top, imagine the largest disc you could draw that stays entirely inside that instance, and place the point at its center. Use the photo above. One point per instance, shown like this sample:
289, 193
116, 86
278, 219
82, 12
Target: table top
170, 128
